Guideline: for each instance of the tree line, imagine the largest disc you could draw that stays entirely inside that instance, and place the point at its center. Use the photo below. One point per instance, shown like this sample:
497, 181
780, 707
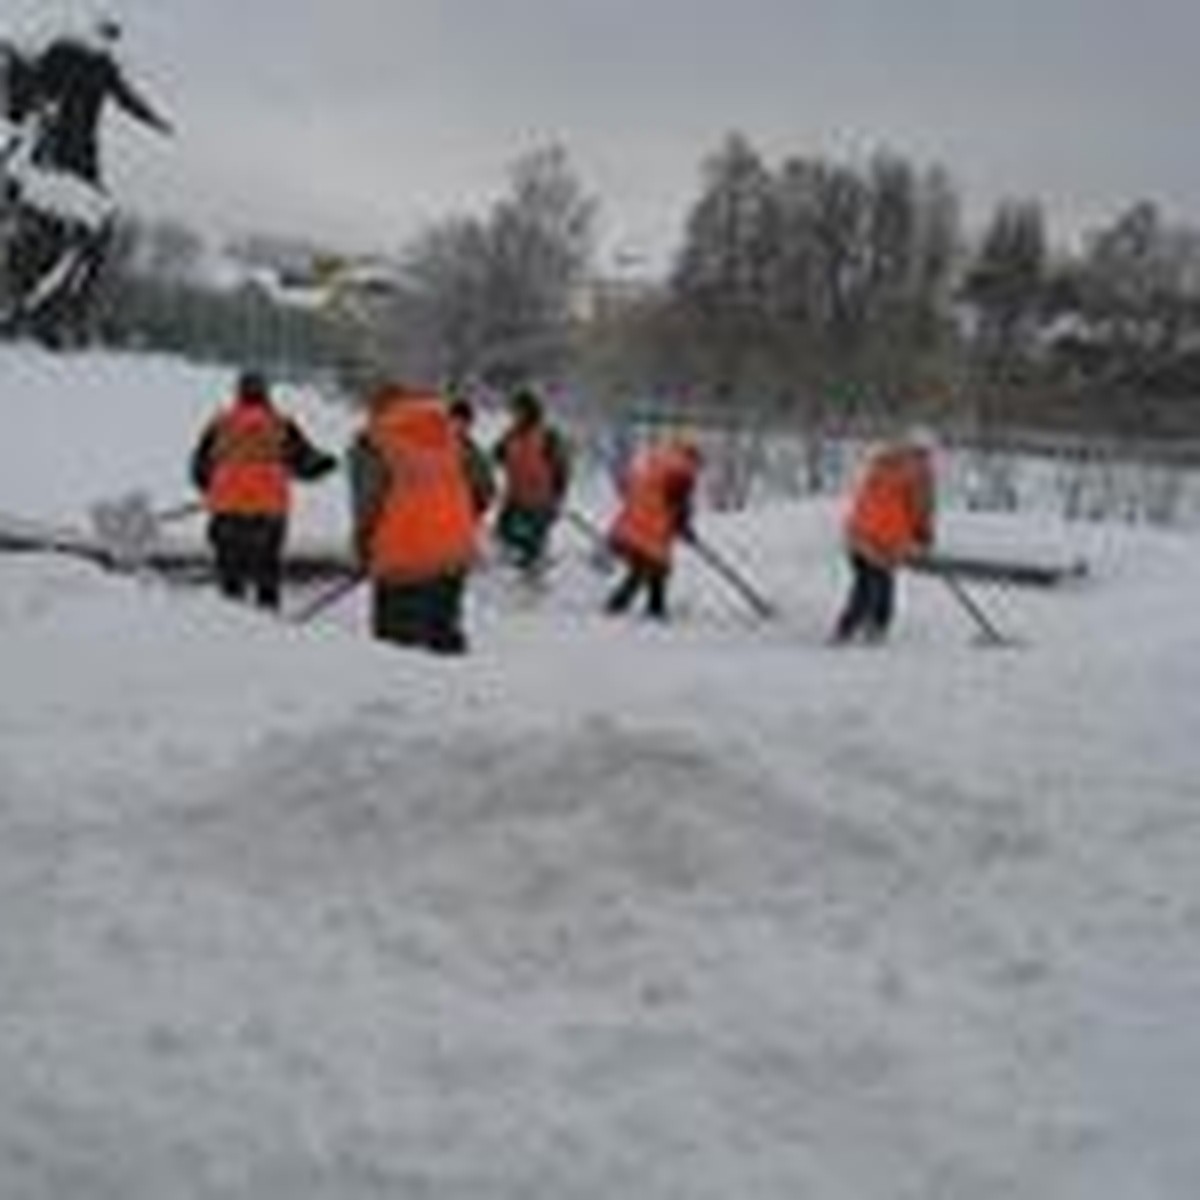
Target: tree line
831, 292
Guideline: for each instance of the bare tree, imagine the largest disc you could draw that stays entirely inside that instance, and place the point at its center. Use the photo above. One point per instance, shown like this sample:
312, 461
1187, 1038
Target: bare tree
492, 297
725, 270
1006, 287
446, 273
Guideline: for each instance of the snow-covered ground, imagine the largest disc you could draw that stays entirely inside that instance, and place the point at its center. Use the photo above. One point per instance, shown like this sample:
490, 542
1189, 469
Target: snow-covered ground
89, 428
604, 910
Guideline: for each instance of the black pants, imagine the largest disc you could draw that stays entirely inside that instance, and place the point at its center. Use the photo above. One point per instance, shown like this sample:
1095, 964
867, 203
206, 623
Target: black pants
871, 603
426, 614
249, 554
525, 533
641, 575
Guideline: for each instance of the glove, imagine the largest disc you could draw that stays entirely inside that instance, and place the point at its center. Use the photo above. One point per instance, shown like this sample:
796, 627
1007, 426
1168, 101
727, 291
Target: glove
919, 555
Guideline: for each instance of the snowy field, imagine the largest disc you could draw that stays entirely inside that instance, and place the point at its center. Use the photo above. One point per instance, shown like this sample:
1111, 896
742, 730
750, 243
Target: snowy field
709, 912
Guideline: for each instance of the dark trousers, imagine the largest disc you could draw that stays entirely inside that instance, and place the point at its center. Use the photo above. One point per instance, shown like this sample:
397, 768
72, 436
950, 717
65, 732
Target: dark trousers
249, 556
525, 533
426, 613
642, 575
871, 603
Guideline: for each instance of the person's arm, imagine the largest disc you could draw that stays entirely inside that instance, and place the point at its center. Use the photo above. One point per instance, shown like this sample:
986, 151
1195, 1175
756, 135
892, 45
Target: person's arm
134, 103
560, 465
200, 466
304, 460
479, 476
19, 82
925, 506
368, 476
681, 500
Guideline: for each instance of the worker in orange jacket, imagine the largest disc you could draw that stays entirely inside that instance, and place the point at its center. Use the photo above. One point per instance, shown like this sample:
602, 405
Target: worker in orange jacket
244, 462
657, 496
890, 521
414, 517
535, 461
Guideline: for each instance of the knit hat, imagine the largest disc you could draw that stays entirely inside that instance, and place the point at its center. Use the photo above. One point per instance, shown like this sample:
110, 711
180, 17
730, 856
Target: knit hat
253, 385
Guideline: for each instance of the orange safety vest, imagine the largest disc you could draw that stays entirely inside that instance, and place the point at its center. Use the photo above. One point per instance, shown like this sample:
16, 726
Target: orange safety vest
647, 522
891, 514
528, 469
249, 475
426, 526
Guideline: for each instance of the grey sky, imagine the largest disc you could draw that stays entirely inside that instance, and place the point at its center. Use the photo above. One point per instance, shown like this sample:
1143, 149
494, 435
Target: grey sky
357, 120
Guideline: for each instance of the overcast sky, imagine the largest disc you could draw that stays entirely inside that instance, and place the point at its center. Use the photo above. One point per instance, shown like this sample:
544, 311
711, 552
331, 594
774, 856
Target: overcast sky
359, 120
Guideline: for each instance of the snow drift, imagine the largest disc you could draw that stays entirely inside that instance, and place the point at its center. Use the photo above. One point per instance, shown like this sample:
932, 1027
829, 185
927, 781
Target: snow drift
604, 909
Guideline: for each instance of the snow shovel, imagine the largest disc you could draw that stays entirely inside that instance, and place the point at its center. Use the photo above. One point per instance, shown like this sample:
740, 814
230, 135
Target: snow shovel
128, 528
327, 598
988, 634
761, 606
601, 557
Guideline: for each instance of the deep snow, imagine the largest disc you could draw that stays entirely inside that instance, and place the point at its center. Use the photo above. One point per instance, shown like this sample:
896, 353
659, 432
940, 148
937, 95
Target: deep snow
604, 910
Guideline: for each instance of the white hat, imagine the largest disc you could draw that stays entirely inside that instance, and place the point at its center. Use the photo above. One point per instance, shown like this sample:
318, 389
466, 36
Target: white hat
921, 437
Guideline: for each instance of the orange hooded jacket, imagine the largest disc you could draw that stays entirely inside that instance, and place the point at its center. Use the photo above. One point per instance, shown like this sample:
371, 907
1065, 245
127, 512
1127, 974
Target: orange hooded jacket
891, 514
425, 524
249, 474
532, 475
656, 498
